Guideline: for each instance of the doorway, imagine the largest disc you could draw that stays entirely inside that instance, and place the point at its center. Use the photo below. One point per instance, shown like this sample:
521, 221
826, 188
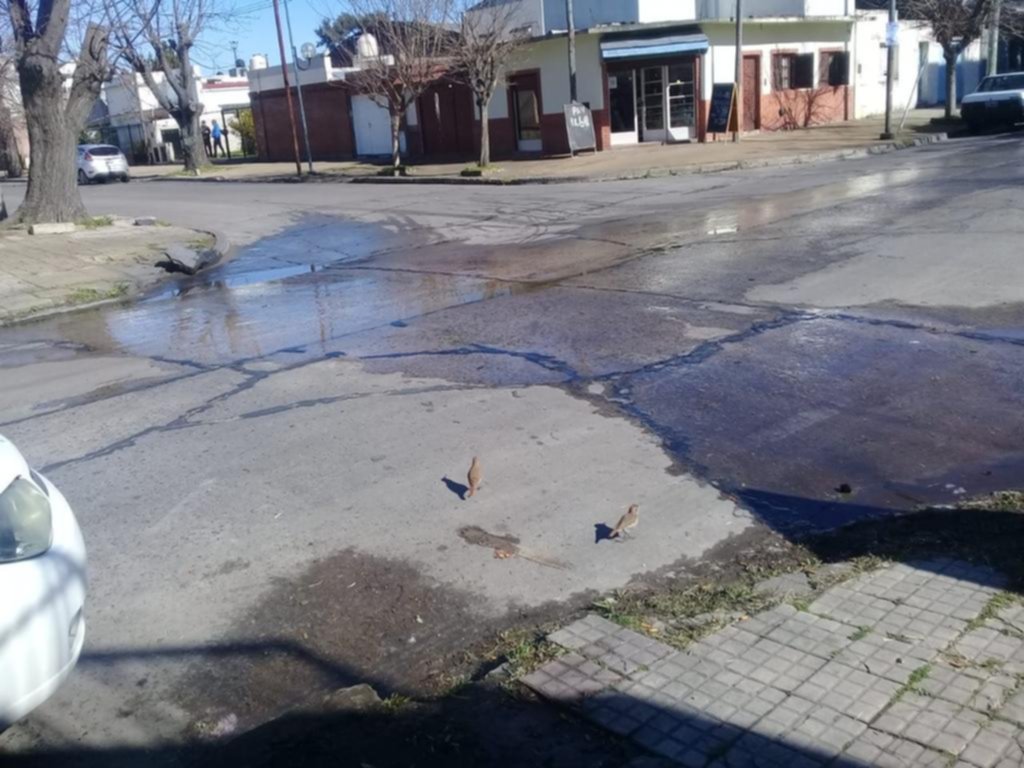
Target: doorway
751, 92
653, 102
524, 107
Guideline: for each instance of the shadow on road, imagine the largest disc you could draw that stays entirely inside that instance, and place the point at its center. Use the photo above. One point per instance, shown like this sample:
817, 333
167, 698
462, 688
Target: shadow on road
486, 723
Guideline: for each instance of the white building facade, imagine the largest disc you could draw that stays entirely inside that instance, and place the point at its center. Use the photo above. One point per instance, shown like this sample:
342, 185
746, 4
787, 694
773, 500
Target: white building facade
146, 132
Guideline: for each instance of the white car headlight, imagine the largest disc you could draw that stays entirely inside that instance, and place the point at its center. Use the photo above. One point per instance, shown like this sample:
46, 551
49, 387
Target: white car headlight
26, 525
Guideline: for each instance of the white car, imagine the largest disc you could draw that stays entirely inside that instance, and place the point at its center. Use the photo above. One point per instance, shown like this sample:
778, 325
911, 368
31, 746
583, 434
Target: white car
42, 587
998, 101
100, 162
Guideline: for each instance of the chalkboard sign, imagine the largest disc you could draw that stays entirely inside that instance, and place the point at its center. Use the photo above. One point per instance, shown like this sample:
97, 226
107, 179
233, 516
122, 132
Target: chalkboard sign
579, 124
720, 115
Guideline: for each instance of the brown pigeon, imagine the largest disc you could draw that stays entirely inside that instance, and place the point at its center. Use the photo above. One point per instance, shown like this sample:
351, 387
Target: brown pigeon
476, 474
627, 522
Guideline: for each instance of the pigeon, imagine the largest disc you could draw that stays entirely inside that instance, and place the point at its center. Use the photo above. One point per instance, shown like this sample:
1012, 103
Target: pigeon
476, 474
627, 522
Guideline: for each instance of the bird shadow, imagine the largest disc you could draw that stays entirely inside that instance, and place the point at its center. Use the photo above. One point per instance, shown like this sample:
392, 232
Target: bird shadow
602, 532
458, 489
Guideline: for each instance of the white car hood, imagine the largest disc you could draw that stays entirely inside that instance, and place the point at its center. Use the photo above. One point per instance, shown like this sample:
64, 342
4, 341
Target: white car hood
992, 96
12, 463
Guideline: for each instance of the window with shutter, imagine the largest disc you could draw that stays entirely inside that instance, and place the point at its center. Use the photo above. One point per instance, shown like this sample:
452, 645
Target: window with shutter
839, 68
803, 72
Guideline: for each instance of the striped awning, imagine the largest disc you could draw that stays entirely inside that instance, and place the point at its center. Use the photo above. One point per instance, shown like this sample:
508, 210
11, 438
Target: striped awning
645, 47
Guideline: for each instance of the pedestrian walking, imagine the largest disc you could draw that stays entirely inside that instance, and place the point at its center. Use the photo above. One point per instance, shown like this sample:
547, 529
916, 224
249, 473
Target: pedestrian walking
218, 135
206, 138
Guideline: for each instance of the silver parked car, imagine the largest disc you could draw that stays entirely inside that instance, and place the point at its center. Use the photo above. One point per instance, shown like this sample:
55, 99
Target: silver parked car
101, 162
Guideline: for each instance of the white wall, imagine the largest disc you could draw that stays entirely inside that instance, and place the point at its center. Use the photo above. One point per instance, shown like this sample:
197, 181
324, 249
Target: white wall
653, 11
765, 38
754, 9
870, 63
270, 79
551, 57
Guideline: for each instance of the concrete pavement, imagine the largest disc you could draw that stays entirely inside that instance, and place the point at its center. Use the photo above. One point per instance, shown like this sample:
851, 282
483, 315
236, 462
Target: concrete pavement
108, 260
257, 455
910, 665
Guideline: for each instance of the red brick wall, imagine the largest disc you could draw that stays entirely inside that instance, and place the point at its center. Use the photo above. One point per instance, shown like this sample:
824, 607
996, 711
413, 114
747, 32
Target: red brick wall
503, 137
553, 137
803, 108
328, 116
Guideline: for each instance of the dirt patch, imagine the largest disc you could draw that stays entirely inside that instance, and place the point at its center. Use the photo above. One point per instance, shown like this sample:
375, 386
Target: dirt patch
349, 618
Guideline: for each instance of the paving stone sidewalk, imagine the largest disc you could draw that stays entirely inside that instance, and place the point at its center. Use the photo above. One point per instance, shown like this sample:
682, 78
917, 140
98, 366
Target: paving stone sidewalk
41, 272
917, 664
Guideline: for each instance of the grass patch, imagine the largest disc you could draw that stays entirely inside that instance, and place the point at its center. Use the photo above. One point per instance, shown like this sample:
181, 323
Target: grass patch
801, 604
95, 222
89, 295
395, 703
913, 684
520, 650
995, 604
1000, 501
860, 633
710, 604
201, 243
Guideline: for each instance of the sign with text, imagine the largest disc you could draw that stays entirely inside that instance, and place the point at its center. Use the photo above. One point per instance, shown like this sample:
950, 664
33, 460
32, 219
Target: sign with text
892, 34
720, 114
579, 125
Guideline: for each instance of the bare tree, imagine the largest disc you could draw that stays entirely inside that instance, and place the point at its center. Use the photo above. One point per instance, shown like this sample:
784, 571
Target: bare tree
955, 24
159, 36
491, 34
12, 120
413, 44
59, 85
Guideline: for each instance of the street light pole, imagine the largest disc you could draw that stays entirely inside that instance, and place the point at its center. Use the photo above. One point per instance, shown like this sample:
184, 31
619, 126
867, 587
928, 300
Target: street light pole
287, 90
571, 20
992, 67
737, 88
298, 87
890, 40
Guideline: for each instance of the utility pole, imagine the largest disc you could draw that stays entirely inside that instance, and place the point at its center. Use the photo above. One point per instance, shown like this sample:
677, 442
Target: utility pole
298, 87
891, 38
571, 19
737, 89
992, 67
287, 90
234, 53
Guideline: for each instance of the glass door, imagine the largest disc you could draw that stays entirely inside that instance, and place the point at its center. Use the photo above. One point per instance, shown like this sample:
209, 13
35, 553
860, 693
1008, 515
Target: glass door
651, 100
680, 94
622, 100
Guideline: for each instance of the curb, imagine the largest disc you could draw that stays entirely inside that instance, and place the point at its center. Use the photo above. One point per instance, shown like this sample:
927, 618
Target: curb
221, 250
654, 173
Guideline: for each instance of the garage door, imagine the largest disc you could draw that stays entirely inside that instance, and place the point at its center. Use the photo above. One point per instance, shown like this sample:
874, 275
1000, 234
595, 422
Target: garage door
371, 124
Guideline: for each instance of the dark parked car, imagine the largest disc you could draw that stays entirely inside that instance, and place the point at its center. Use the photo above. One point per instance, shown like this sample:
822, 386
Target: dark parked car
998, 101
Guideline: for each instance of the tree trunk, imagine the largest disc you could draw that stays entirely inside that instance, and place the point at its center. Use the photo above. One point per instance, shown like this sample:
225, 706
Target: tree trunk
52, 193
192, 147
396, 147
950, 85
485, 132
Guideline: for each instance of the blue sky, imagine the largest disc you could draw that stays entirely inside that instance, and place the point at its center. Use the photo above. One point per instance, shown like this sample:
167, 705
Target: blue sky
255, 32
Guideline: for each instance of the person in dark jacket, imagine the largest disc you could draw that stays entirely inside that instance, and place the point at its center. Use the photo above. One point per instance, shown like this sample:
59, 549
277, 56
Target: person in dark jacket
206, 138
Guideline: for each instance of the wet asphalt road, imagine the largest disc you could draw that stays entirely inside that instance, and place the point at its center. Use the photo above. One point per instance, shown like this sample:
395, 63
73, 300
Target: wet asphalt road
725, 349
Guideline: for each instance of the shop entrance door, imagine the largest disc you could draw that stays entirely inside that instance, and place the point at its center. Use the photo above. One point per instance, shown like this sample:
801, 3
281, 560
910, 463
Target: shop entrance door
666, 102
